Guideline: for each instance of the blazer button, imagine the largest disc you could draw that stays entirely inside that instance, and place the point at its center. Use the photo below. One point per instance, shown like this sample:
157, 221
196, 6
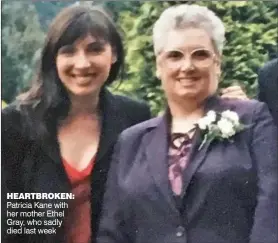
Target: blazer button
180, 231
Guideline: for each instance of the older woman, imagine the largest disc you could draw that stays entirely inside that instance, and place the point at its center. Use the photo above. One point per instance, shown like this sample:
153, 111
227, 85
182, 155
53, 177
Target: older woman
206, 171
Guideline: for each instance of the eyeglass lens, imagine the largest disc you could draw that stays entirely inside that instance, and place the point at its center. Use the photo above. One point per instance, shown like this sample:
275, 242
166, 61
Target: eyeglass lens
200, 58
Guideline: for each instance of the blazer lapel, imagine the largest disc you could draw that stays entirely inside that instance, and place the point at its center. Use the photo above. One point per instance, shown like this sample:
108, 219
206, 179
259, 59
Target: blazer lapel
112, 123
157, 156
51, 153
195, 158
197, 155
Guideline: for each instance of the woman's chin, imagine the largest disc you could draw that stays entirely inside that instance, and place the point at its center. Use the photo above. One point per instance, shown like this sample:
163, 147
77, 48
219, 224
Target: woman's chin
83, 92
188, 93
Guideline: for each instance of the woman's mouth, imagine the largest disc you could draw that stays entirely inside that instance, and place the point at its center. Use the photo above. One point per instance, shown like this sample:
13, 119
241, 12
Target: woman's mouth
189, 81
83, 79
83, 75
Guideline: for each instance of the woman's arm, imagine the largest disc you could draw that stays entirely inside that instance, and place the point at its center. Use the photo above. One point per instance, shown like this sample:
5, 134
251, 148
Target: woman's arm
12, 148
264, 153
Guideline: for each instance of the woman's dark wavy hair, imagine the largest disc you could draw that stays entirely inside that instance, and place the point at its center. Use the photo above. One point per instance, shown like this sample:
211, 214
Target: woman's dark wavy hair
47, 102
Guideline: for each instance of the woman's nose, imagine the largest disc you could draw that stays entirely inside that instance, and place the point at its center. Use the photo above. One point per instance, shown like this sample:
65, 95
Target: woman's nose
186, 64
81, 61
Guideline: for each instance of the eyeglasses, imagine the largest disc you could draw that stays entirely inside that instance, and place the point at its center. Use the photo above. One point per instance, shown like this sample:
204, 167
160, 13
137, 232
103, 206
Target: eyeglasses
199, 58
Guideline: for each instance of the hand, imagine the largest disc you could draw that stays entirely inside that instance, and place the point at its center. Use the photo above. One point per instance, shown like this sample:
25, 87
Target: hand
234, 92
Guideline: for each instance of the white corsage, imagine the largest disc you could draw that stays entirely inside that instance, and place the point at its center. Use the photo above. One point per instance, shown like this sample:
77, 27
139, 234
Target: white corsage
219, 126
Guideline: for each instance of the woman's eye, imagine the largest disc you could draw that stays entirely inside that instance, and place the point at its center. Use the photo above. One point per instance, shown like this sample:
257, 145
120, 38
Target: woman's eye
175, 54
201, 54
66, 50
95, 48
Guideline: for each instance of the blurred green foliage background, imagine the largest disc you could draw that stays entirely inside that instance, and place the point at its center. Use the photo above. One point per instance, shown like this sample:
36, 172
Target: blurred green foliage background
251, 33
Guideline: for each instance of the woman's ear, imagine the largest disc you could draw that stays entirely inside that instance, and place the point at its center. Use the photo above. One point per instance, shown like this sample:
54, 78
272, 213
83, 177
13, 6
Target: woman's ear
157, 73
114, 55
218, 68
114, 58
218, 77
218, 71
157, 66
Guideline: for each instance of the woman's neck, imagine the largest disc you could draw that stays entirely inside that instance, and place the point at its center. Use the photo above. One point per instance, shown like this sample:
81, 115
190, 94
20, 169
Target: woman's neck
186, 109
185, 115
87, 105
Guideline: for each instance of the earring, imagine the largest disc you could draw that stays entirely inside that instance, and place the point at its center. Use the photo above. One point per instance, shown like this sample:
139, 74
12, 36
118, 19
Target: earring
157, 74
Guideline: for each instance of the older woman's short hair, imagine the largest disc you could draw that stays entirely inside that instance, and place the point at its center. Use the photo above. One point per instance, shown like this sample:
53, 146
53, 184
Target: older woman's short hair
185, 15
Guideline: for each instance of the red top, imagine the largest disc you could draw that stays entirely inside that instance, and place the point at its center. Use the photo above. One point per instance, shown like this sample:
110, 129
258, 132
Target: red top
78, 220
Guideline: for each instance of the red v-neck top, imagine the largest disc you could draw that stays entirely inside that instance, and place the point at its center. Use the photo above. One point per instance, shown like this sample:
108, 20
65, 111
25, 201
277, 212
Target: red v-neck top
78, 219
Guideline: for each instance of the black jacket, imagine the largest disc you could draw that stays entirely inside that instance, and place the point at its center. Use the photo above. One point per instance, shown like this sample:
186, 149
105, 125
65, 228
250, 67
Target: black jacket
29, 166
268, 87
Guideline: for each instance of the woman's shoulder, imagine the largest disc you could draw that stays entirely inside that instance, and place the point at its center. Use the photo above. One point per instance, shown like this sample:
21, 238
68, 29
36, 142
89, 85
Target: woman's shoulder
137, 131
11, 115
247, 109
130, 102
14, 118
136, 110
111, 98
13, 130
246, 106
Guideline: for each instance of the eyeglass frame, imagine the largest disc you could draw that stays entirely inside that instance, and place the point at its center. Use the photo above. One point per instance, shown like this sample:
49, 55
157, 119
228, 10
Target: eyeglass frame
213, 56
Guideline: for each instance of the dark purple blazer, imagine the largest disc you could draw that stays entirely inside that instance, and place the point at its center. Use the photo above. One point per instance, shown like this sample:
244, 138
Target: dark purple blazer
230, 189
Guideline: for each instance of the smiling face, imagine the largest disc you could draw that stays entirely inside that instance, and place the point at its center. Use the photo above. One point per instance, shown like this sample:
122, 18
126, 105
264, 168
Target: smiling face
188, 65
84, 66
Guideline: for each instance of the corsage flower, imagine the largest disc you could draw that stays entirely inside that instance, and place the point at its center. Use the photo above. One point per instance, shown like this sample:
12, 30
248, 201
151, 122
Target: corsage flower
219, 126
